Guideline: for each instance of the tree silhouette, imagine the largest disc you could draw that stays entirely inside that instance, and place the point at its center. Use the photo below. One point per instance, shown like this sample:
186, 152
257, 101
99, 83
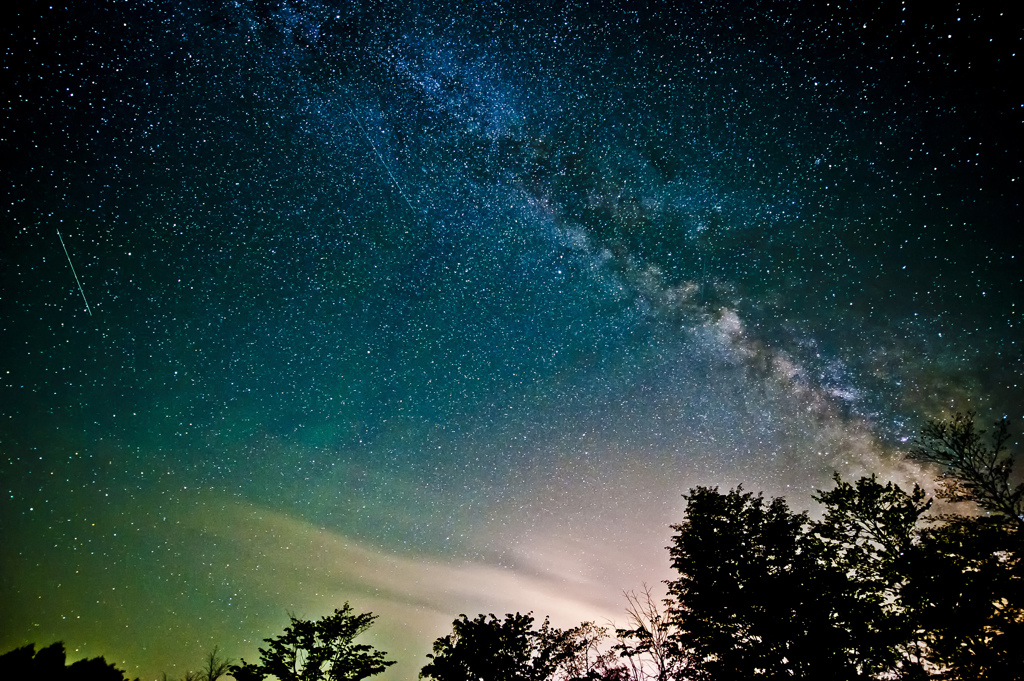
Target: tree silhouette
512, 650
968, 578
214, 667
318, 651
965, 591
970, 469
875, 589
486, 648
646, 643
867, 539
49, 663
753, 597
577, 654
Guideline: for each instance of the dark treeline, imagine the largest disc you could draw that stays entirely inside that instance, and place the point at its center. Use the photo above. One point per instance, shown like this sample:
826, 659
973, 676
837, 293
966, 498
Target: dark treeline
881, 587
51, 663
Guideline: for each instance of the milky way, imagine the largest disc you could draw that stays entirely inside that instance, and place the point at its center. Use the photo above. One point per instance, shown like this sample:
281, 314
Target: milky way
441, 310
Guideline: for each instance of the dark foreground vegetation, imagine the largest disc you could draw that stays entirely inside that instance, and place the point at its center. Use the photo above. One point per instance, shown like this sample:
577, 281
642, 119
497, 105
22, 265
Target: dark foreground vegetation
879, 588
51, 663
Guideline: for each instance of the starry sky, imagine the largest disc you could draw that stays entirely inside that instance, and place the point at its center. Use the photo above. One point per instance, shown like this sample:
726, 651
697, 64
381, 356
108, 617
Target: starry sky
441, 307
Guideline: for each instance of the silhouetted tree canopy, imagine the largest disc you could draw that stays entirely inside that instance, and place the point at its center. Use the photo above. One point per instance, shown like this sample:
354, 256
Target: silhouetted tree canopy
486, 648
513, 650
875, 589
970, 469
49, 663
967, 579
752, 597
318, 651
866, 542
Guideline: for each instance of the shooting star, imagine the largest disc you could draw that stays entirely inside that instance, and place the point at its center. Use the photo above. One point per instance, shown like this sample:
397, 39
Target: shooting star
381, 159
88, 309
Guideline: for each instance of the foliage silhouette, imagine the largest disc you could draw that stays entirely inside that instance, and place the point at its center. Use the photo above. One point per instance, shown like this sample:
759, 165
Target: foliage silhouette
488, 648
318, 651
49, 663
512, 650
970, 469
752, 598
967, 583
875, 589
867, 540
578, 653
965, 590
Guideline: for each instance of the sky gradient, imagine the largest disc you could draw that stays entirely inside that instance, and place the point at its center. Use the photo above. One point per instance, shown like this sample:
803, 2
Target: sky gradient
441, 309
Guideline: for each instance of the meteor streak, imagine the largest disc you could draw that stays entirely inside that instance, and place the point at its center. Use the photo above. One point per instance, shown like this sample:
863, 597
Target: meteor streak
381, 158
88, 309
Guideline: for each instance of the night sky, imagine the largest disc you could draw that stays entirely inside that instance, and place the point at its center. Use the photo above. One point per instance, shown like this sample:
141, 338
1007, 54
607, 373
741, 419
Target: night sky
440, 308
